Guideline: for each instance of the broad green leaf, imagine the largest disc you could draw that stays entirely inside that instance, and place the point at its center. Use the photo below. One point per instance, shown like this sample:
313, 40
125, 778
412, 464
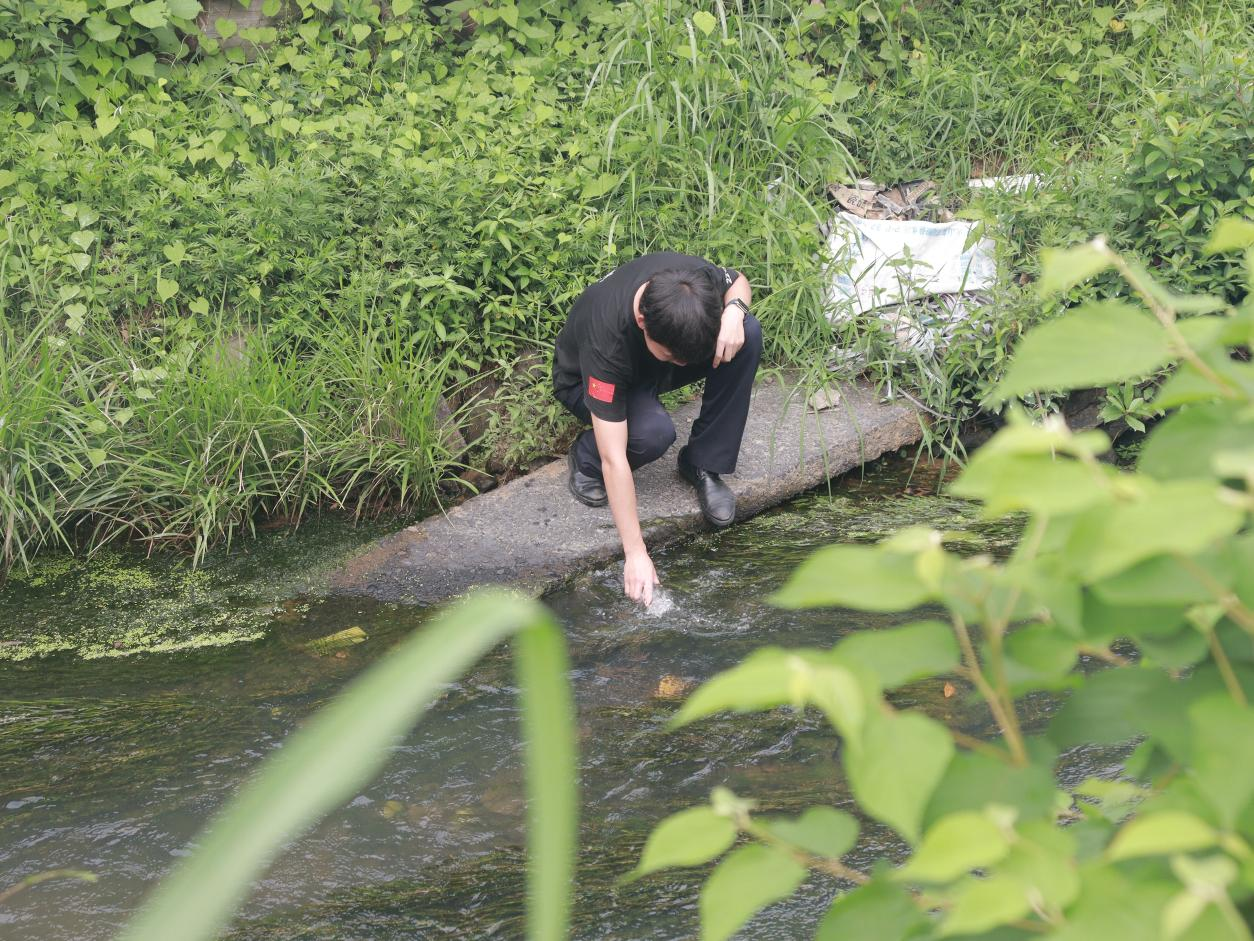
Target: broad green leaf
1038, 483
151, 15
896, 767
175, 252
898, 655
835, 690
101, 30
1039, 656
186, 9
955, 845
96, 456
198, 305
1174, 652
1183, 517
83, 239
1120, 705
878, 911
1043, 862
1230, 235
1187, 385
401, 7
1097, 344
1023, 436
688, 838
1182, 444
862, 577
704, 21
143, 65
600, 186
226, 28
144, 137
7, 178
773, 677
106, 124
762, 681
823, 831
1161, 834
1104, 621
974, 780
360, 32
745, 882
1113, 906
1163, 580
979, 905
1223, 754
1063, 268
345, 744
166, 288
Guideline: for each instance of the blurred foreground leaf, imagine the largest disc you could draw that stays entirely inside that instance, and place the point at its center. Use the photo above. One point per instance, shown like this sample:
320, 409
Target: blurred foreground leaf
345, 744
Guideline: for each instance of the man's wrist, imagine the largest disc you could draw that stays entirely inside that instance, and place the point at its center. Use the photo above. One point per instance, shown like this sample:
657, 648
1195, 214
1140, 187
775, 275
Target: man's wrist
737, 305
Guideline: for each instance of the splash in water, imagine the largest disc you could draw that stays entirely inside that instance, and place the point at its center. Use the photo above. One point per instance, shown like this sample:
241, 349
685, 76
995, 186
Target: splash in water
662, 603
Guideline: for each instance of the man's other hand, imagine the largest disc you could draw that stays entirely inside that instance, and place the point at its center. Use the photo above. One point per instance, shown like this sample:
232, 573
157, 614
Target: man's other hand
639, 577
731, 335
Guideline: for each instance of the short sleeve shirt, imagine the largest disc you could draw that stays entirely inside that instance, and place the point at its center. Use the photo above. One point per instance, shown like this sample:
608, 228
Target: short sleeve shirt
601, 348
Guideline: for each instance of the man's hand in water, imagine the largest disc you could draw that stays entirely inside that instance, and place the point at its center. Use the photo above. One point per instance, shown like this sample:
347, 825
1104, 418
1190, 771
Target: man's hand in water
639, 577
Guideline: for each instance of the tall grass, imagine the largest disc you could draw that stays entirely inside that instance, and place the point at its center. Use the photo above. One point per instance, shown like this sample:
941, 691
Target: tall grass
189, 440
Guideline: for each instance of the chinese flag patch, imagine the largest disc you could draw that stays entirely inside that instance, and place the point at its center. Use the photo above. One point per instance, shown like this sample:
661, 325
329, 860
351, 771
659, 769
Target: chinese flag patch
601, 391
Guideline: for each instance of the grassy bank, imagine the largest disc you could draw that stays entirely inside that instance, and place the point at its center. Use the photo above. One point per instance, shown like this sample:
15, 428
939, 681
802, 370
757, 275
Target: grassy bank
387, 210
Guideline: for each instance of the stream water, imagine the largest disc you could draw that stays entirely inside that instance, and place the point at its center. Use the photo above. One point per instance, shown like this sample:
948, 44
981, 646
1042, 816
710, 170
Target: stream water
113, 764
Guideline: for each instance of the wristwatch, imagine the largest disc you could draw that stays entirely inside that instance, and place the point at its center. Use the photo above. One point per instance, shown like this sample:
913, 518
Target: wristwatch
737, 302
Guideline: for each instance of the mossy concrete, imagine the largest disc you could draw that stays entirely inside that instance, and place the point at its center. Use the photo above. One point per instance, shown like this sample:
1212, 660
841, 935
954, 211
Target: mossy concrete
532, 534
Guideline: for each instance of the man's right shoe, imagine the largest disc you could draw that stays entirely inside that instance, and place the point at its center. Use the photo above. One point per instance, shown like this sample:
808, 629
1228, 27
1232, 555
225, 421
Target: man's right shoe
588, 490
718, 503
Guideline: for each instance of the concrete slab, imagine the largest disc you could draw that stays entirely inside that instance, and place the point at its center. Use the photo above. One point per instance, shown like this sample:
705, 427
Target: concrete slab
532, 534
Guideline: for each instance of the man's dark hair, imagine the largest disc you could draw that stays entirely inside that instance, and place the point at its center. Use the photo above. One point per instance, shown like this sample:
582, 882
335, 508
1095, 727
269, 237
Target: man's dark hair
682, 311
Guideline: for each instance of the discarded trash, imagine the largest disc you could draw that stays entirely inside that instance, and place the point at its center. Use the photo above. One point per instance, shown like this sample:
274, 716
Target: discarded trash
868, 200
921, 279
1009, 184
336, 641
877, 262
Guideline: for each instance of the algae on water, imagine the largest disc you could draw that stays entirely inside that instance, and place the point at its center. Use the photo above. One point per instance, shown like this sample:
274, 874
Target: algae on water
120, 602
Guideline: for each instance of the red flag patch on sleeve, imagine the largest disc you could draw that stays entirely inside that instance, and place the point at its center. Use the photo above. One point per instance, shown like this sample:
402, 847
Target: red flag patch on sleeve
601, 391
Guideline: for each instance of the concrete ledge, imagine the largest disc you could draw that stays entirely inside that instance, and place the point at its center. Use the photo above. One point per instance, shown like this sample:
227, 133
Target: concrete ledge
532, 533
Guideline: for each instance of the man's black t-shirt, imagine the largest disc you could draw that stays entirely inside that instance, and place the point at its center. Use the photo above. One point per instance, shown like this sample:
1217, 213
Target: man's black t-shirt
602, 349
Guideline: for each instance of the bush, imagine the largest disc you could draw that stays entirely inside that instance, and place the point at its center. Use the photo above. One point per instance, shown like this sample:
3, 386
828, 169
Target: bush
1145, 571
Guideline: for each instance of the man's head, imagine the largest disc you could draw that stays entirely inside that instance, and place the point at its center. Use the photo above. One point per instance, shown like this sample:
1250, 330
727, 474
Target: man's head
680, 313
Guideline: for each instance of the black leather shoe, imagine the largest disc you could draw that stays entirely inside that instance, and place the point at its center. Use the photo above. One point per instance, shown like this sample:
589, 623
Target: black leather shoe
718, 503
590, 491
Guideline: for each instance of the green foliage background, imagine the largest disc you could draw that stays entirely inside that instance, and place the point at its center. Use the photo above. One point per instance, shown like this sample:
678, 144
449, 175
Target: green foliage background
460, 172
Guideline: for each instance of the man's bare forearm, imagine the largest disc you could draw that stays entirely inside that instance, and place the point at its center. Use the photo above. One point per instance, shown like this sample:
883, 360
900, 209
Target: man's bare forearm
620, 487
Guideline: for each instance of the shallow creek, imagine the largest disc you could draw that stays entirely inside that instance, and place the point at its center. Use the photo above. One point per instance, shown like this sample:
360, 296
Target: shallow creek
113, 764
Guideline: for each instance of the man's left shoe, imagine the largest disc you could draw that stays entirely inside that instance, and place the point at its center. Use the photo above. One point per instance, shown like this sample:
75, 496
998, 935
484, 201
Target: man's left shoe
718, 503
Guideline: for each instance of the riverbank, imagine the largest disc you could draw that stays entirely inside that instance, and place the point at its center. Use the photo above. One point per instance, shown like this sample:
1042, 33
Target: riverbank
234, 289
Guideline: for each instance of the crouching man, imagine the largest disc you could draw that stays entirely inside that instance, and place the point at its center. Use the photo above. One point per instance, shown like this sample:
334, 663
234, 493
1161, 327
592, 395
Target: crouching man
658, 323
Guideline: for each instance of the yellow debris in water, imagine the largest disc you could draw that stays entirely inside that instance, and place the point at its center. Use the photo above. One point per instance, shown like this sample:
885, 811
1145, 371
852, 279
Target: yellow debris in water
332, 642
671, 687
391, 808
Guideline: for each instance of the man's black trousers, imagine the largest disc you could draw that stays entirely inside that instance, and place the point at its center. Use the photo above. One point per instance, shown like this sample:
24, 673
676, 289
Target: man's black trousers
714, 443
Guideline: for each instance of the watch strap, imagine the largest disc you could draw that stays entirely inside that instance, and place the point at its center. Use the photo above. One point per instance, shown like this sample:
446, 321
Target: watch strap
737, 302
